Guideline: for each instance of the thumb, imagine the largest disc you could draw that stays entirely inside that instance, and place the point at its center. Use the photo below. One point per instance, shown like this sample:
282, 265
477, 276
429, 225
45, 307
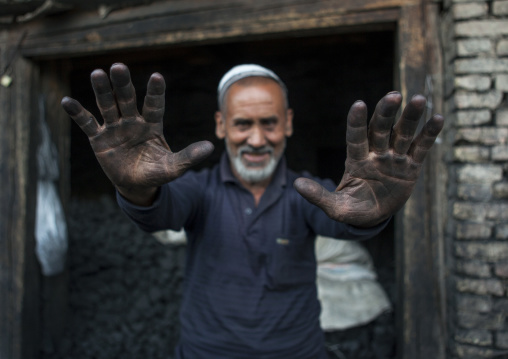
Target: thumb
315, 194
192, 155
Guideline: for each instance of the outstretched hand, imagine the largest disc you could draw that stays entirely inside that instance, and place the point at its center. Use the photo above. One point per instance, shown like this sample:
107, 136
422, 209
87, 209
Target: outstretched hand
382, 165
130, 146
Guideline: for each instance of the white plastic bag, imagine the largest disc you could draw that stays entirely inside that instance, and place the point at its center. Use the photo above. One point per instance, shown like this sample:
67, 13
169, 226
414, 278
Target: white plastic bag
50, 229
50, 225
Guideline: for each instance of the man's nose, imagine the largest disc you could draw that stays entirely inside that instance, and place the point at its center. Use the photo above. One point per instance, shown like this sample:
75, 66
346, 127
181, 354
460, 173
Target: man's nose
256, 137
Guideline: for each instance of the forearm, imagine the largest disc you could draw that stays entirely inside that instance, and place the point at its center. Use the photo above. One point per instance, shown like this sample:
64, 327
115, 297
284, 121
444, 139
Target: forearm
172, 205
150, 218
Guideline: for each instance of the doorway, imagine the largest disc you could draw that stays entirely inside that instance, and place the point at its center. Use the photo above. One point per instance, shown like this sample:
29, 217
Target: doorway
324, 74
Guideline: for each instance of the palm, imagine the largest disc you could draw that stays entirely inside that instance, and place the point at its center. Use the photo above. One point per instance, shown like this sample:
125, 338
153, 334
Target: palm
382, 165
130, 146
138, 147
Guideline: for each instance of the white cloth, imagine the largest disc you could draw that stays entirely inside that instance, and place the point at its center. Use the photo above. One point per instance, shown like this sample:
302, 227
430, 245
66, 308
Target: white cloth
171, 237
347, 287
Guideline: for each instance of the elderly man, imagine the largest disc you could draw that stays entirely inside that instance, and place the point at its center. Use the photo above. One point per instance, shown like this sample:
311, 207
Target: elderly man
250, 277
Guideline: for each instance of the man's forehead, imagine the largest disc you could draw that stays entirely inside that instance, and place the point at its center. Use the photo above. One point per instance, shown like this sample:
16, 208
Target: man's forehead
255, 93
255, 81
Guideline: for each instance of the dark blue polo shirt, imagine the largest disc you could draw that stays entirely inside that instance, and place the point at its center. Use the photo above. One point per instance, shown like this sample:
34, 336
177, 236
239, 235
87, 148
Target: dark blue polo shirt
249, 290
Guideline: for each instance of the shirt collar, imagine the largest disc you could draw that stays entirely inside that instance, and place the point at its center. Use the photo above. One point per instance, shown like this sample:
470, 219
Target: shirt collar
279, 176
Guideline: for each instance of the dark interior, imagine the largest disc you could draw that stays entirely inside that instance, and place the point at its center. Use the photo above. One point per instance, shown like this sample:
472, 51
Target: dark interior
324, 75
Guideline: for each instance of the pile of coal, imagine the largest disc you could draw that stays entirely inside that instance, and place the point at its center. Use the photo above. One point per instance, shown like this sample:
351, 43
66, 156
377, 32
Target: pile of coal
124, 288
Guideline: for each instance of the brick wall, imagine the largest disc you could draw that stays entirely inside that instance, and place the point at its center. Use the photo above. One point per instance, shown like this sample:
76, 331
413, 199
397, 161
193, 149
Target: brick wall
475, 41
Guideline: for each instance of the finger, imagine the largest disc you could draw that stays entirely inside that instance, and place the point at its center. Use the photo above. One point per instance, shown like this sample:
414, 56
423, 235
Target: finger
82, 117
356, 134
404, 129
380, 125
124, 90
104, 96
315, 194
426, 138
153, 108
190, 156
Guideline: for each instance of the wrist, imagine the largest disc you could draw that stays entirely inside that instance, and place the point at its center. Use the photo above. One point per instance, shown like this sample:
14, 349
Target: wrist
140, 197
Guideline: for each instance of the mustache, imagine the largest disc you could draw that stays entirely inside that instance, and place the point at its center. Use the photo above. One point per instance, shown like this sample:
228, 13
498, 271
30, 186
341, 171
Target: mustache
256, 150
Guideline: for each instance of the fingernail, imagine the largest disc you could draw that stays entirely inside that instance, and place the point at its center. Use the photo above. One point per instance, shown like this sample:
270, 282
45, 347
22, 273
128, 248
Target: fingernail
419, 98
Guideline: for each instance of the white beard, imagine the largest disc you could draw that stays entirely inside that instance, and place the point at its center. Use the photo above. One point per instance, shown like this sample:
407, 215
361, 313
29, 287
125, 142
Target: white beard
249, 174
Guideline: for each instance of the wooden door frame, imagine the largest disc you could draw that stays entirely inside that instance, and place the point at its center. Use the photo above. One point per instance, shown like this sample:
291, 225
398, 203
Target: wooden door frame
419, 239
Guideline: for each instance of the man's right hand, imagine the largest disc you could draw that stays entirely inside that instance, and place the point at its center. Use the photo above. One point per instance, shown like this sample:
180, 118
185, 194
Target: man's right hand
131, 147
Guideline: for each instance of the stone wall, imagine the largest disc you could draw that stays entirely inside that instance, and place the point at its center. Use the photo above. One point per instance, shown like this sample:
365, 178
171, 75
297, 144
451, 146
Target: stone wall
475, 39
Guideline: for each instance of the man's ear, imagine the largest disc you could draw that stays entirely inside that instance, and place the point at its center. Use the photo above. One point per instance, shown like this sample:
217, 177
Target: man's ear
288, 130
220, 125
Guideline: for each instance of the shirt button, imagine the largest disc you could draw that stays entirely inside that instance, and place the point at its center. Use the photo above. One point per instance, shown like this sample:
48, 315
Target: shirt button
248, 211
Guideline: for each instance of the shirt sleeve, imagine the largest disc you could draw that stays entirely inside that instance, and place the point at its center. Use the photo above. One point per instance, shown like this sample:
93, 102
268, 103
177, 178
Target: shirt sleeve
176, 203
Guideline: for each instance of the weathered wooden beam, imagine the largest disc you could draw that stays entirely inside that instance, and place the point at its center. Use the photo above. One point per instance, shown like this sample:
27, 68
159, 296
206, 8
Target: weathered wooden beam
163, 26
204, 8
421, 326
19, 273
436, 185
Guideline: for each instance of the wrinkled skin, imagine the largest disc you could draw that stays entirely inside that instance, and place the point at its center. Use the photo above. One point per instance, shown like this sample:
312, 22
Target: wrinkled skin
130, 146
382, 165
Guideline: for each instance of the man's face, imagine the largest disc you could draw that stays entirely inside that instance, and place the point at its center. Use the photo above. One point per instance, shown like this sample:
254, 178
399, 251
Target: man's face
254, 123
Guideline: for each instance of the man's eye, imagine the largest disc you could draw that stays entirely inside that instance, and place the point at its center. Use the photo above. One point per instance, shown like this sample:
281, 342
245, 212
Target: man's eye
242, 124
269, 123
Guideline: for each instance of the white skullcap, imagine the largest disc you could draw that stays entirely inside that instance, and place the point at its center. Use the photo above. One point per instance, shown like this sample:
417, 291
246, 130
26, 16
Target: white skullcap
242, 71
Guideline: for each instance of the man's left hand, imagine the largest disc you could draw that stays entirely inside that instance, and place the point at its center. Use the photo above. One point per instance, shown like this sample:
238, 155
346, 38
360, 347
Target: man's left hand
382, 165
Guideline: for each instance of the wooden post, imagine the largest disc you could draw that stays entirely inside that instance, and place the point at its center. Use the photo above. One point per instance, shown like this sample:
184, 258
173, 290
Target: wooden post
420, 305
19, 272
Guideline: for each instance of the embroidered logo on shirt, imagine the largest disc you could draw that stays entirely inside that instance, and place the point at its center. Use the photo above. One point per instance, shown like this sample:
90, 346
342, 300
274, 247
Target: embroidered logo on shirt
282, 241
